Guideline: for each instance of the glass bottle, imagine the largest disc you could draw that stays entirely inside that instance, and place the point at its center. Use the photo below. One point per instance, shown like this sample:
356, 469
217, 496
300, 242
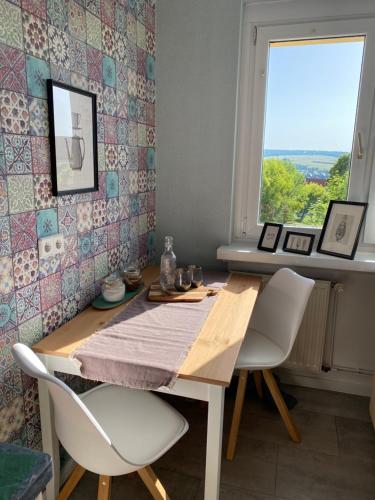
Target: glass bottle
167, 265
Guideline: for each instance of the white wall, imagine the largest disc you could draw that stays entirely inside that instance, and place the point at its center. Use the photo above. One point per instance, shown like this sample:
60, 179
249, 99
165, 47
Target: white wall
197, 54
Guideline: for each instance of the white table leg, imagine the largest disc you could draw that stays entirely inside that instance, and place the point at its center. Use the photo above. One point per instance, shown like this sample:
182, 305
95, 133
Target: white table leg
214, 441
50, 441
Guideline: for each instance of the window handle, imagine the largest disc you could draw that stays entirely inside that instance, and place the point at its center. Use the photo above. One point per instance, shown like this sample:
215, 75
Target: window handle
360, 147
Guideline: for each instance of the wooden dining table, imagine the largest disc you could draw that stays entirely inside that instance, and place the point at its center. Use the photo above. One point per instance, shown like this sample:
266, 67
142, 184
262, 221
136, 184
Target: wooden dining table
204, 375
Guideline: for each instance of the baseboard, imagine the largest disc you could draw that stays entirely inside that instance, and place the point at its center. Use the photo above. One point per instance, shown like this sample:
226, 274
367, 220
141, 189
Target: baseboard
334, 380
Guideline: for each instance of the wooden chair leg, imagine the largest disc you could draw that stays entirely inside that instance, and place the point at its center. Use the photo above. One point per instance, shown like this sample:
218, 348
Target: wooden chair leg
71, 482
104, 487
153, 484
258, 383
236, 418
280, 403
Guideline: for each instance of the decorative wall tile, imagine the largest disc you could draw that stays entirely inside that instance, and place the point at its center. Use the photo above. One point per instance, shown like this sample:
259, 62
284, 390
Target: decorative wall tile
52, 319
84, 217
58, 47
43, 192
35, 35
46, 222
100, 240
40, 155
101, 266
67, 220
38, 117
37, 73
28, 302
6, 275
86, 245
20, 193
108, 40
57, 13
109, 71
77, 54
25, 267
5, 247
23, 229
70, 255
49, 265
70, 281
77, 21
94, 64
14, 112
99, 213
112, 184
86, 273
94, 31
11, 30
91, 45
12, 69
30, 332
113, 210
50, 291
36, 7
110, 131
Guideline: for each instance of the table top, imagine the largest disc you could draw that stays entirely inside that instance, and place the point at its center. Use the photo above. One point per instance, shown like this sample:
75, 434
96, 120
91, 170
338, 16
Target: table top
213, 354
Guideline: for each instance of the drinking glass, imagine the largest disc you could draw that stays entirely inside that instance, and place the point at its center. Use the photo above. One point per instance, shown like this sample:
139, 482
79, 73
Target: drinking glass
182, 281
196, 275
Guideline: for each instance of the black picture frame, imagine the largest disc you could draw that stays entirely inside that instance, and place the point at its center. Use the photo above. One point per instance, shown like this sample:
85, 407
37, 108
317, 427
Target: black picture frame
336, 235
82, 169
293, 245
276, 237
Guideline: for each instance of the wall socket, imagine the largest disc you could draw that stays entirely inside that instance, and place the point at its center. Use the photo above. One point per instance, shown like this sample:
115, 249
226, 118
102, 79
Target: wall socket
51, 246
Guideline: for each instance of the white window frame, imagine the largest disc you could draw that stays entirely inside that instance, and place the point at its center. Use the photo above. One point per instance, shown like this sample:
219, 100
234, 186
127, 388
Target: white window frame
251, 111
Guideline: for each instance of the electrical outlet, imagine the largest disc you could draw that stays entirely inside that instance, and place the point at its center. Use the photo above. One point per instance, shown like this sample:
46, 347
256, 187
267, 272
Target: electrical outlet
51, 246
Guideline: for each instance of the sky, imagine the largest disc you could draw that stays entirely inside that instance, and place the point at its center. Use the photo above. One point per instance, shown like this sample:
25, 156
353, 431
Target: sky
312, 93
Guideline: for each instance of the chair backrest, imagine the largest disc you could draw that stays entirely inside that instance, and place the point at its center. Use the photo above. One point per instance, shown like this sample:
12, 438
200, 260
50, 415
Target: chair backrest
76, 427
280, 307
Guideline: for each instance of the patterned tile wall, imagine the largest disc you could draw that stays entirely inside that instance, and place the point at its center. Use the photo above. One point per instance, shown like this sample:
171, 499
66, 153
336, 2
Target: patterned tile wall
106, 47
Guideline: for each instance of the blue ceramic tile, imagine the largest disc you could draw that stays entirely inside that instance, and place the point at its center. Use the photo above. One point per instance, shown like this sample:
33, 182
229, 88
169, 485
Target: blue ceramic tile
86, 245
46, 222
112, 184
150, 158
150, 67
132, 108
109, 71
37, 73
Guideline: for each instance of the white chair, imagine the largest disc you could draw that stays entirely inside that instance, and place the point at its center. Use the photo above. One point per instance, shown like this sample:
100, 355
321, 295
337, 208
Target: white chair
270, 337
109, 430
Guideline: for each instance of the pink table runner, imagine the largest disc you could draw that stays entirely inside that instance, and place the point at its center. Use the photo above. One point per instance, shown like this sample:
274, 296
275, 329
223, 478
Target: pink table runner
144, 346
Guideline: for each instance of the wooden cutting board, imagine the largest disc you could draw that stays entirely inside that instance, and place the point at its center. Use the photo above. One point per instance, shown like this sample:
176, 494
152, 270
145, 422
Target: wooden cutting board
156, 294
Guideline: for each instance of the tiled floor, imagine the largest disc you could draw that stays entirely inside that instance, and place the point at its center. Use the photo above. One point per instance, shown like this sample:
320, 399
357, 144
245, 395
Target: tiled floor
335, 461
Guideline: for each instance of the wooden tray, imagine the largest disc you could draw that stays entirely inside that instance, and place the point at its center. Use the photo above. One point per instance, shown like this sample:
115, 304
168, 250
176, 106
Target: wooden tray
155, 294
101, 303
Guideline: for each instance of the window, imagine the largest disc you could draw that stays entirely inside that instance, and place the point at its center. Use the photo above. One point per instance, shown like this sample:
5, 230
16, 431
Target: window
307, 88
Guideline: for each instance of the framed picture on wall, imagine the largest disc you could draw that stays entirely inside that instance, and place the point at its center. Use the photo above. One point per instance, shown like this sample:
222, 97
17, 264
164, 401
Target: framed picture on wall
269, 239
301, 243
342, 225
73, 139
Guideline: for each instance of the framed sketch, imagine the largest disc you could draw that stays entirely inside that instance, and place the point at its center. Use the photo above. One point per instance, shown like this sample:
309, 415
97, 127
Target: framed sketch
342, 225
73, 139
269, 239
298, 242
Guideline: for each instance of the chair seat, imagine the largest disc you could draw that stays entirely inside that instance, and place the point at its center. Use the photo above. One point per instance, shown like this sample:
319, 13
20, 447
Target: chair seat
141, 426
259, 352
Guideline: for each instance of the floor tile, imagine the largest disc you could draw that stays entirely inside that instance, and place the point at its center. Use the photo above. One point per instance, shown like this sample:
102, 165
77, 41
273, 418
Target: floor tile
356, 438
305, 475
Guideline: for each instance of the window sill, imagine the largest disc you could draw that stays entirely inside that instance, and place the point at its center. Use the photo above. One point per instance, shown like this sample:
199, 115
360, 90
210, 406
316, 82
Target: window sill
246, 252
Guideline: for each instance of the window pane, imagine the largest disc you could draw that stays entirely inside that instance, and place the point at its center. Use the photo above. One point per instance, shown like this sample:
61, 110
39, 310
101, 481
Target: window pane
311, 103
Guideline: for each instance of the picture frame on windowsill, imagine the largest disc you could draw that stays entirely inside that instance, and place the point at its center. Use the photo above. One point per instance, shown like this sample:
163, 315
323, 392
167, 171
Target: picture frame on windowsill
301, 243
269, 239
341, 228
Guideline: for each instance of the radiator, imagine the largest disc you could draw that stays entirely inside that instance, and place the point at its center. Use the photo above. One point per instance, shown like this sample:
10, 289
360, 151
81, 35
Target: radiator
308, 349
